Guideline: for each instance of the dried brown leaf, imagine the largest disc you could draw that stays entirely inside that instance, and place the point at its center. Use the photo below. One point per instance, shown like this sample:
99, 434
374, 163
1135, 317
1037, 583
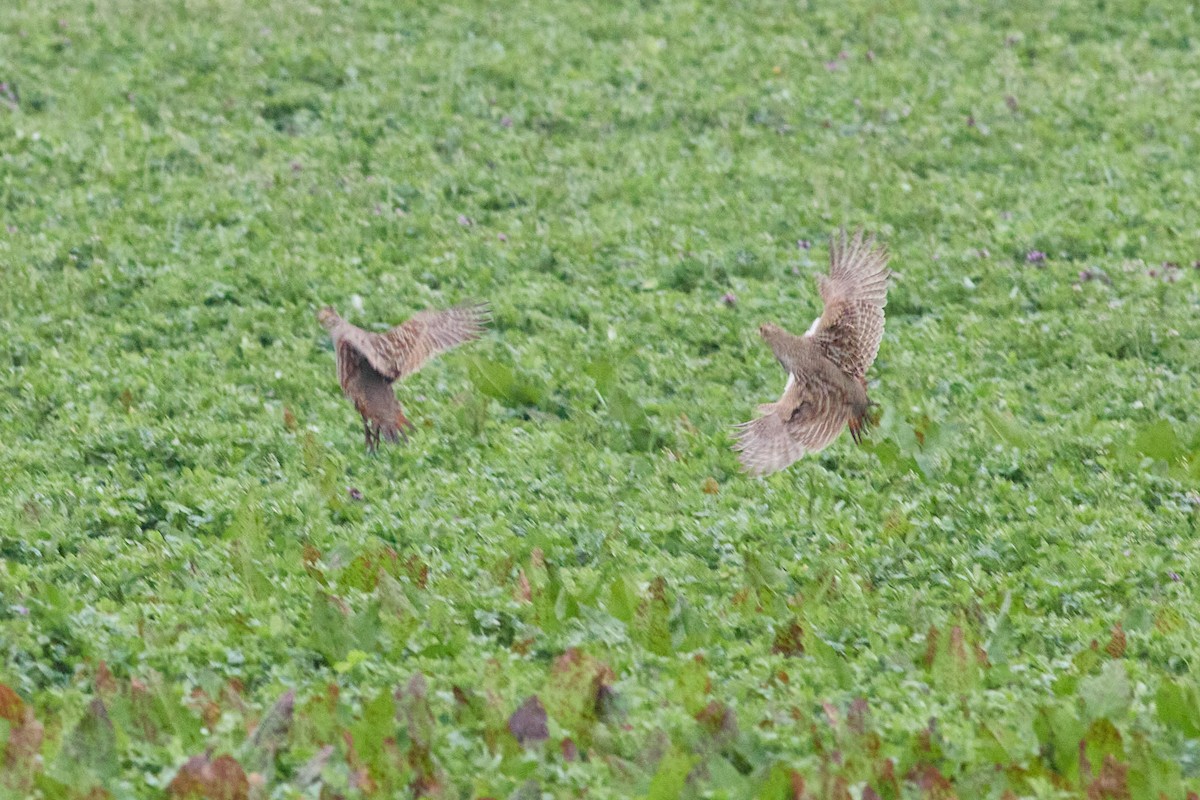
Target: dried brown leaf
1116, 643
931, 646
105, 683
789, 640
1112, 783
12, 708
219, 779
523, 593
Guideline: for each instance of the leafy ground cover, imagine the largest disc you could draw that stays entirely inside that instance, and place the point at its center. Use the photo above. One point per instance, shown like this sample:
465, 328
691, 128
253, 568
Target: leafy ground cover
562, 586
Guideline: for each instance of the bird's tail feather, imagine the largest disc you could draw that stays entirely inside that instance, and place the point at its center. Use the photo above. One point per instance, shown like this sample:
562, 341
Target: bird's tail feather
399, 428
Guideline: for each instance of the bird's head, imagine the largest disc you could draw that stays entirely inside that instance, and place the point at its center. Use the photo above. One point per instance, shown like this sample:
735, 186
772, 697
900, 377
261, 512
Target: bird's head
328, 318
770, 331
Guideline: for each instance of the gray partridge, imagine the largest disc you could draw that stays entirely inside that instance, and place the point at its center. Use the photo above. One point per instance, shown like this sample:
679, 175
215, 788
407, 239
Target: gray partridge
368, 363
827, 367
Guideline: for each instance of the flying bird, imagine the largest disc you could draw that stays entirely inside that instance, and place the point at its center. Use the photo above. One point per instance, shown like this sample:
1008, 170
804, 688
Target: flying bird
368, 363
826, 367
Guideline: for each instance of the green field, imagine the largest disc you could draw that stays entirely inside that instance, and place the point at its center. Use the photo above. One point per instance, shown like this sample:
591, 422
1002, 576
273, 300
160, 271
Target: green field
562, 586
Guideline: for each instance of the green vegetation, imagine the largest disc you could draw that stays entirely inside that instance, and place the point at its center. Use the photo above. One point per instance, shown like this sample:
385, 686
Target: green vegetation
562, 585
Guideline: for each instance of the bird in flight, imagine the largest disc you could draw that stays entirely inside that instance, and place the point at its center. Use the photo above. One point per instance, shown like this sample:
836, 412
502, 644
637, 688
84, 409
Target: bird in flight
826, 367
368, 363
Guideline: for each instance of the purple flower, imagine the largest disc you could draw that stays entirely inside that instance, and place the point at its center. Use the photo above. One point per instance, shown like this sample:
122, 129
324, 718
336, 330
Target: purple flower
804, 244
355, 494
506, 121
502, 237
729, 299
1035, 257
1174, 576
528, 723
465, 221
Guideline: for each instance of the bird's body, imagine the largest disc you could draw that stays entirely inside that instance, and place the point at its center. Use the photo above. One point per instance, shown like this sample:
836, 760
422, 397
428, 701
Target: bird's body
826, 367
368, 363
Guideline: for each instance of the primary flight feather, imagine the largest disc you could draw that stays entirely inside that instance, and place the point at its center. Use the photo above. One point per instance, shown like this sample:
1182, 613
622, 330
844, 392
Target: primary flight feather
826, 387
368, 363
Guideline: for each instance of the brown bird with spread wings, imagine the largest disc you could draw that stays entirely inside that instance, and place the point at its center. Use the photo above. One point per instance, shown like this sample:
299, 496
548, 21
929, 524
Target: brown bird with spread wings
827, 366
368, 363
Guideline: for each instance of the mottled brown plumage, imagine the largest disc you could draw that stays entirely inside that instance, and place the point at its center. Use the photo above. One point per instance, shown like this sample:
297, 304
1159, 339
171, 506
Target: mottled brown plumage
368, 363
827, 366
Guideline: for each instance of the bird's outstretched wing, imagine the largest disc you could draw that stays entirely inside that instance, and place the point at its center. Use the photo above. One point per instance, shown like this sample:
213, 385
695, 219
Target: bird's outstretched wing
355, 350
808, 416
855, 292
405, 348
350, 362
